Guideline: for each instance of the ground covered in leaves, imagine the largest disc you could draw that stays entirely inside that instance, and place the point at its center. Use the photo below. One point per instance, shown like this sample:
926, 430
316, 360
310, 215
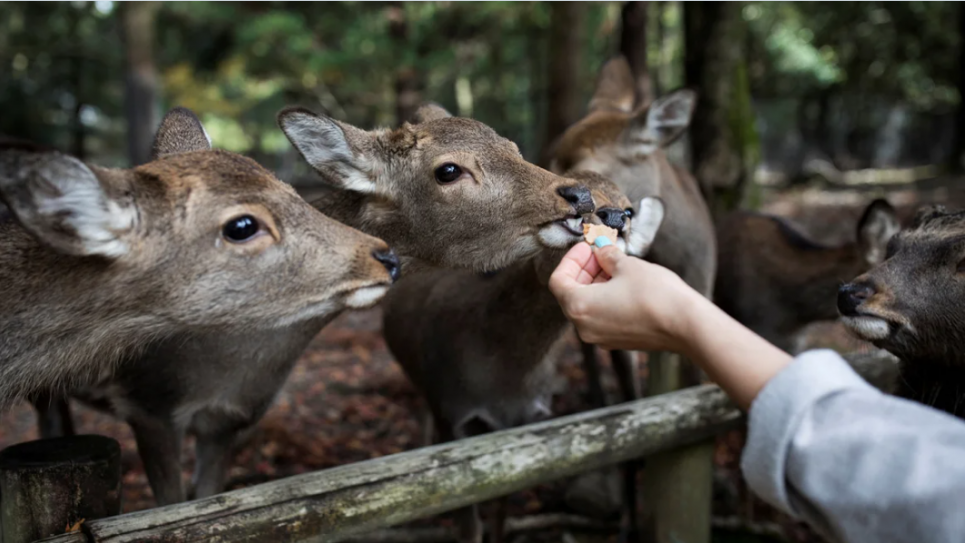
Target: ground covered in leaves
347, 401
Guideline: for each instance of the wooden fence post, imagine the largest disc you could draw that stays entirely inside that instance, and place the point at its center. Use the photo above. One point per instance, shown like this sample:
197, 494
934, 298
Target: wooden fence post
678, 484
50, 485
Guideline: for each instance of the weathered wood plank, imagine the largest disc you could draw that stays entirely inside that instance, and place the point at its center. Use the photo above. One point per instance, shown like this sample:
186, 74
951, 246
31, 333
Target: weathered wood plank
73, 537
677, 484
333, 505
337, 503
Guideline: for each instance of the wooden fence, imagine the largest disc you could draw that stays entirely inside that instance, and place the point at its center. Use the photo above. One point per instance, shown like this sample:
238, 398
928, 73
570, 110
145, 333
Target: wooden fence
344, 502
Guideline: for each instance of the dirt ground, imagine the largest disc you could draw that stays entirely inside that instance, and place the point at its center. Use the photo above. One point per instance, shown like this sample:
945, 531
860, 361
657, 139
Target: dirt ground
347, 401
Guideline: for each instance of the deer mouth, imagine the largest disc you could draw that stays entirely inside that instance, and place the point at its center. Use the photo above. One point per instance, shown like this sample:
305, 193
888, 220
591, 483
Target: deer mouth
366, 297
573, 224
562, 233
868, 327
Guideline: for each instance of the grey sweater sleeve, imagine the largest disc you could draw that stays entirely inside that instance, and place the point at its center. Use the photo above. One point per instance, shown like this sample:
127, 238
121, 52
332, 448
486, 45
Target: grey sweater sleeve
858, 465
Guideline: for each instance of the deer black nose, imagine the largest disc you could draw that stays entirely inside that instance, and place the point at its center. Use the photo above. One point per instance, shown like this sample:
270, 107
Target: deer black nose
850, 297
390, 261
612, 217
579, 197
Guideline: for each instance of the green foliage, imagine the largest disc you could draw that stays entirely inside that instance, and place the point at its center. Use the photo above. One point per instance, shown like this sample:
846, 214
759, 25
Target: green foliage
903, 50
62, 68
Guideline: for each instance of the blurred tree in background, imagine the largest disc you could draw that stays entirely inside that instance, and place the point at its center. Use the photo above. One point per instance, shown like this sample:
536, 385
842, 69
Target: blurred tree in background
796, 88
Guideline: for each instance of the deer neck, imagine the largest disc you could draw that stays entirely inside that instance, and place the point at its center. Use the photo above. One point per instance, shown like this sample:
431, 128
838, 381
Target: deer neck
936, 384
523, 311
370, 214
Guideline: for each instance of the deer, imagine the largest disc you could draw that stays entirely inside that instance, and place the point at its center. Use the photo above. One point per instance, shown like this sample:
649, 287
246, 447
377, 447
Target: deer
483, 349
910, 304
775, 280
448, 192
627, 145
626, 142
97, 263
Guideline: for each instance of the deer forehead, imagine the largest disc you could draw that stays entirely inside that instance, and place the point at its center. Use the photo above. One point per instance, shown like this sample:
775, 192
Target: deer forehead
598, 129
211, 175
468, 135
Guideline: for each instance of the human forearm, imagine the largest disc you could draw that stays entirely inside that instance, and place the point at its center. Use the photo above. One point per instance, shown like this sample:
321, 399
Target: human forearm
737, 359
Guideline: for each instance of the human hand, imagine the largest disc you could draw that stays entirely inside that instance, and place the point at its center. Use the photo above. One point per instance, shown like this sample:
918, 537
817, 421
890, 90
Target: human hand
621, 302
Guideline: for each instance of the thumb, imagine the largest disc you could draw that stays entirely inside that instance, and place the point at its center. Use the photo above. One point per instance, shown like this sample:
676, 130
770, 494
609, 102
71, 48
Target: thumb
609, 258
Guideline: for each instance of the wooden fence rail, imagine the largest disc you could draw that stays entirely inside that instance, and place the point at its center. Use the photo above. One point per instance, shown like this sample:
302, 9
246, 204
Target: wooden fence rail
339, 503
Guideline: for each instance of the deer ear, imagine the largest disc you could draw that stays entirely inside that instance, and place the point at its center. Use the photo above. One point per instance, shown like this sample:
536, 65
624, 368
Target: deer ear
663, 122
645, 225
927, 213
429, 112
180, 132
332, 148
614, 87
877, 225
63, 204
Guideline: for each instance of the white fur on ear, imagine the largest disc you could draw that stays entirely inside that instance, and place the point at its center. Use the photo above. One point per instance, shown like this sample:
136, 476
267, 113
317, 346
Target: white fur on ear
645, 225
61, 201
664, 121
323, 143
876, 227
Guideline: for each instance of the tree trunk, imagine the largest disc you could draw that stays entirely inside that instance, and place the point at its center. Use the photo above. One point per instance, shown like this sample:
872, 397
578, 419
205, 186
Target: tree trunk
713, 66
958, 140
407, 95
633, 46
565, 79
137, 29
52, 486
78, 135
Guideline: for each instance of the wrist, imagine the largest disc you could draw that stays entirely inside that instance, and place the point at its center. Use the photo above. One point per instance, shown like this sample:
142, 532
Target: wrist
685, 329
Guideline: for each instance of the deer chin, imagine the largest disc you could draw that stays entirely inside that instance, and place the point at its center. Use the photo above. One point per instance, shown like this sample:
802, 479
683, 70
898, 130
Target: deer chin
365, 297
867, 327
562, 233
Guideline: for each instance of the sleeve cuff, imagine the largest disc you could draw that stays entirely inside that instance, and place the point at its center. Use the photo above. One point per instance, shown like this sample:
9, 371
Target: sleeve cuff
777, 412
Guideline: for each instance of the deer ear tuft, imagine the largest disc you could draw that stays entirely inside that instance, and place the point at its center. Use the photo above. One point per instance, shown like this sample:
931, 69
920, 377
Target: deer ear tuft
59, 200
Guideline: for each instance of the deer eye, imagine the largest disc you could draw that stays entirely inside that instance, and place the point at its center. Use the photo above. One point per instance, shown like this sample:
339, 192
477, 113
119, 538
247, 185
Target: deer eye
447, 173
628, 212
241, 229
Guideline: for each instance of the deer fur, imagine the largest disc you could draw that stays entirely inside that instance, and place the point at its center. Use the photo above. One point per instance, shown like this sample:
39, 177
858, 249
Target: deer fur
625, 142
626, 145
911, 304
98, 263
774, 280
382, 182
483, 349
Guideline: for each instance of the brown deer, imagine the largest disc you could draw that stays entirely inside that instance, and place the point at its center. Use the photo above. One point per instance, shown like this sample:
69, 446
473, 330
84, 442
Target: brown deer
911, 304
483, 349
97, 263
448, 191
625, 142
776, 281
626, 145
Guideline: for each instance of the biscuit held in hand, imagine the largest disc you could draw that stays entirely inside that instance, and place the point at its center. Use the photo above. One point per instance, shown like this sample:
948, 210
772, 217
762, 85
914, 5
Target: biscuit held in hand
593, 231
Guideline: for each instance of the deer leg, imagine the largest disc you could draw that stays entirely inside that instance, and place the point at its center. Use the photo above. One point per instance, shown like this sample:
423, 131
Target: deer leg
428, 428
628, 376
591, 365
216, 435
497, 520
53, 416
469, 529
159, 444
626, 367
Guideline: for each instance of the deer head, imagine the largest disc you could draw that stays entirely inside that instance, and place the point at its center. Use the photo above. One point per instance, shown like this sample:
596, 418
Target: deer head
445, 190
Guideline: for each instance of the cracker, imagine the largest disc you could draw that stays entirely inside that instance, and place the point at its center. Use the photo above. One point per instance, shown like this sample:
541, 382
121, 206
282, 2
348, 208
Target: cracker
593, 231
